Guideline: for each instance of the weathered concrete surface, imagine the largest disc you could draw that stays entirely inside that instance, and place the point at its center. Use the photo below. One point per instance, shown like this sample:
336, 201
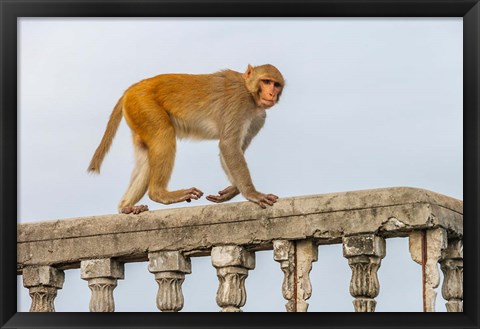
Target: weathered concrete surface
195, 230
223, 256
43, 276
168, 261
101, 268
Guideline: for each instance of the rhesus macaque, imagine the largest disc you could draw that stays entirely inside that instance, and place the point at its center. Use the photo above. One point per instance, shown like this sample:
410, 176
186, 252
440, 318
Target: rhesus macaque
227, 105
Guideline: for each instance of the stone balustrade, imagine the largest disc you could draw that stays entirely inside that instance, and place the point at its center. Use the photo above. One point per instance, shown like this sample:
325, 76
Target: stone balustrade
231, 233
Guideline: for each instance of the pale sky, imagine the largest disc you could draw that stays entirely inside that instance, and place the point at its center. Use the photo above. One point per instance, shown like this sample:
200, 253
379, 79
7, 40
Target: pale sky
369, 103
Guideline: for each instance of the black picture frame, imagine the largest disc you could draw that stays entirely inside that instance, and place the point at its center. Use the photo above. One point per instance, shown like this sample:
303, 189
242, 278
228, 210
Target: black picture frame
13, 9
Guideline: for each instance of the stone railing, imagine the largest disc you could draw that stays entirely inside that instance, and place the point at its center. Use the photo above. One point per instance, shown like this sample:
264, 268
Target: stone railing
231, 233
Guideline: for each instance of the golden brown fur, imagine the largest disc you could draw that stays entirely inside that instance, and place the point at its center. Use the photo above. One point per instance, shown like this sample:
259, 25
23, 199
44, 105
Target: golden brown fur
227, 105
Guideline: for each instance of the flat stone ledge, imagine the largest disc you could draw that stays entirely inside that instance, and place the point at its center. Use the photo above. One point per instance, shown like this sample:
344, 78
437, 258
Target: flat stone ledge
325, 218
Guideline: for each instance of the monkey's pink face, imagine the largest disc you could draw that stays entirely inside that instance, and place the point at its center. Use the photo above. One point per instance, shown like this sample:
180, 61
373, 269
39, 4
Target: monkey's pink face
269, 91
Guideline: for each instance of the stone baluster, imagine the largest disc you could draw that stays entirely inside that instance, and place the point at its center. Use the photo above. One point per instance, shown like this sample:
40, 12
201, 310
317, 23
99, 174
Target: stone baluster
284, 253
364, 253
169, 268
232, 264
102, 276
295, 258
426, 248
43, 283
452, 267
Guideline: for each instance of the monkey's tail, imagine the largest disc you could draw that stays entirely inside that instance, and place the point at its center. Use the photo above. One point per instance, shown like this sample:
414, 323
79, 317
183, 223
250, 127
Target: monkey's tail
107, 138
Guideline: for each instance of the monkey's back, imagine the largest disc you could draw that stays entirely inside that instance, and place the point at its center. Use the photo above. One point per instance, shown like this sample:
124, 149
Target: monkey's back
182, 94
195, 103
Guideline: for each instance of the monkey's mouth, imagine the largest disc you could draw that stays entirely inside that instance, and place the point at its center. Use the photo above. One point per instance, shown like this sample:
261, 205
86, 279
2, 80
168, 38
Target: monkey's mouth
268, 102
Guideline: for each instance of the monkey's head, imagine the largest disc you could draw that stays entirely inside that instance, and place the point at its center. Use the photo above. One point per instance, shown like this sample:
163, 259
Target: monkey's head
265, 83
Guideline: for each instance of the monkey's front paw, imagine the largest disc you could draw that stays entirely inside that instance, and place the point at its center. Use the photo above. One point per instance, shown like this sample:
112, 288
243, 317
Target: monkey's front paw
224, 195
263, 200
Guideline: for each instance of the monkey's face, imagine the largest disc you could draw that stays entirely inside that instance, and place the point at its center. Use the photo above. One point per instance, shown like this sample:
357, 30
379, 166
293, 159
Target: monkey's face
268, 93
265, 83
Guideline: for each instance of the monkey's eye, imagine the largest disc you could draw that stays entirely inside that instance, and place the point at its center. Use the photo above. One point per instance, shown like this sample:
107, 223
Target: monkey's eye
266, 81
277, 84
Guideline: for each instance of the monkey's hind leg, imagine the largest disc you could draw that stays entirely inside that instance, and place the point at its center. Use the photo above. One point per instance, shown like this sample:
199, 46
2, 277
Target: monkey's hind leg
138, 182
161, 144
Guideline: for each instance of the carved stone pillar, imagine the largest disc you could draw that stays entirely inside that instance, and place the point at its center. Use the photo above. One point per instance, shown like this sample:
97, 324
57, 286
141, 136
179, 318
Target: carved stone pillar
295, 258
426, 249
43, 283
102, 276
364, 253
232, 264
452, 267
169, 268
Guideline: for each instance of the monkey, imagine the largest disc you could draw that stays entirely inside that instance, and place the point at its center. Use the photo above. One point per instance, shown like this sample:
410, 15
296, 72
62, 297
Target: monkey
227, 106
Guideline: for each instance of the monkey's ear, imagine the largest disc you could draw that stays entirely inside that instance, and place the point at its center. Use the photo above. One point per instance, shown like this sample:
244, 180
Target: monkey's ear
248, 72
